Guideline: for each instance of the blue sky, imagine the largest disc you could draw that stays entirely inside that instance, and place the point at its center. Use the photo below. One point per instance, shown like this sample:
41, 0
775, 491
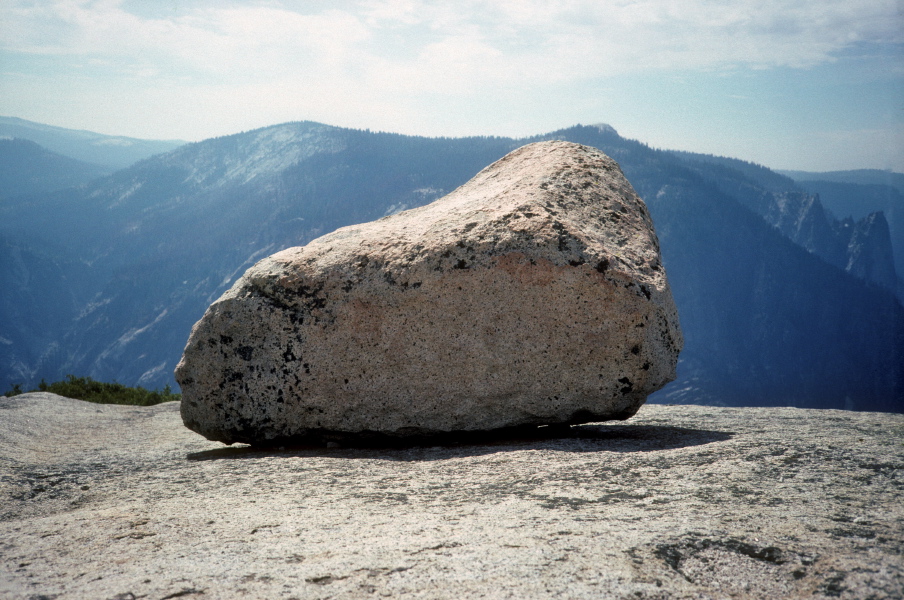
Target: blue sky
791, 84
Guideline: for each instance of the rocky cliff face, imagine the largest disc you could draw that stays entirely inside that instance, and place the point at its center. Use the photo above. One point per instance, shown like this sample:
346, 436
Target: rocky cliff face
862, 247
802, 219
856, 194
680, 502
869, 250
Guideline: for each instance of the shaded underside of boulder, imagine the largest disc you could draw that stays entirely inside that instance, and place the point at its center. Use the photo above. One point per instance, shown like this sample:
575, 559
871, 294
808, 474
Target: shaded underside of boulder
533, 294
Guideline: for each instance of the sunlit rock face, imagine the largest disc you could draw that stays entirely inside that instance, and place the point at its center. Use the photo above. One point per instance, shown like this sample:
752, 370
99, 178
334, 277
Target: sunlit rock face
533, 294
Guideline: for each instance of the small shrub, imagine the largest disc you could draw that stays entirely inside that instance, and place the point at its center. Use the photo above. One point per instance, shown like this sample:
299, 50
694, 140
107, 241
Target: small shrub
85, 388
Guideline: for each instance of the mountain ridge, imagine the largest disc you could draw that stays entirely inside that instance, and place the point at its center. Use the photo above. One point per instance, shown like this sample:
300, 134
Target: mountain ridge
107, 151
160, 240
27, 168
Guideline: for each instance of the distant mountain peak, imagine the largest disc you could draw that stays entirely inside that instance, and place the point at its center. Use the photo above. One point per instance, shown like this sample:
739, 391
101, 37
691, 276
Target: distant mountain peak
604, 128
242, 157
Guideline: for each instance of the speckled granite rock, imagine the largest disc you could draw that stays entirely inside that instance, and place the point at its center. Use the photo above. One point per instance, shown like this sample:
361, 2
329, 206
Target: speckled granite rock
532, 294
681, 502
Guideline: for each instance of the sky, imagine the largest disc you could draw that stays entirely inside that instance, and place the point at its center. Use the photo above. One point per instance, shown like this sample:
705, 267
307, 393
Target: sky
813, 85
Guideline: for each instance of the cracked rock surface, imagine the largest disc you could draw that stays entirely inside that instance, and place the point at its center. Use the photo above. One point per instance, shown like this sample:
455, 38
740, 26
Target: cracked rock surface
685, 502
533, 294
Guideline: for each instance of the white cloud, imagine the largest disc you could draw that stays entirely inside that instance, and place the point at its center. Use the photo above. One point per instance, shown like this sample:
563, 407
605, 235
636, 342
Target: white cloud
421, 66
496, 40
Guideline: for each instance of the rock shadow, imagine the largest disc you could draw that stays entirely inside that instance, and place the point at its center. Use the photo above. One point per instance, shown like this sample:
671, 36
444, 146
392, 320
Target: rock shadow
575, 438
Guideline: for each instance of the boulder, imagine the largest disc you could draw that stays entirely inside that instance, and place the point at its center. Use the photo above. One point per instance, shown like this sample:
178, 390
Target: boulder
533, 294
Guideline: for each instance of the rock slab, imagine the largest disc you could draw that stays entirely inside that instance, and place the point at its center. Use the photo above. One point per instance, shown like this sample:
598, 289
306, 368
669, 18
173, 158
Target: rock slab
679, 503
533, 294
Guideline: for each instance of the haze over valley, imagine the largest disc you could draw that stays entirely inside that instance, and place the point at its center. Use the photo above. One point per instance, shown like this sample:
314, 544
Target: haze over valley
782, 300
152, 152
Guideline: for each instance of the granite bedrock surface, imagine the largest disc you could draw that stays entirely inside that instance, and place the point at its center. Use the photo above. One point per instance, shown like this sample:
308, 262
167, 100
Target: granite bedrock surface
101, 501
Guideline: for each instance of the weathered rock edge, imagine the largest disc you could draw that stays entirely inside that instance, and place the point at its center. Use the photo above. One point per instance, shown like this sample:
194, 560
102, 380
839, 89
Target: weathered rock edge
533, 294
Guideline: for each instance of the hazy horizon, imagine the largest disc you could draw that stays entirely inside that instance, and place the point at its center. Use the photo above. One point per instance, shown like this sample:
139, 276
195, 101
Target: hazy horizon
813, 86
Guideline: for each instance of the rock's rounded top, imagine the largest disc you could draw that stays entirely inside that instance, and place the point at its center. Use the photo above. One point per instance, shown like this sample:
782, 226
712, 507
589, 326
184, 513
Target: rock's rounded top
570, 204
536, 188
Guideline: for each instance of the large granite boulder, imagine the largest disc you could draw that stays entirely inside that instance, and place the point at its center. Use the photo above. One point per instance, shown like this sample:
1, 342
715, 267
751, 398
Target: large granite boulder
533, 294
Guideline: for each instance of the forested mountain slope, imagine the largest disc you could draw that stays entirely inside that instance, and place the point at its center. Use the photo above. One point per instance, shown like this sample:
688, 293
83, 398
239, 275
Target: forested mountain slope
27, 168
140, 254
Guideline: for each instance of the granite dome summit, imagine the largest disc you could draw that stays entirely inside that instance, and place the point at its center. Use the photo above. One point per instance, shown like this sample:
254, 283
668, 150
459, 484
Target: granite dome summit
681, 502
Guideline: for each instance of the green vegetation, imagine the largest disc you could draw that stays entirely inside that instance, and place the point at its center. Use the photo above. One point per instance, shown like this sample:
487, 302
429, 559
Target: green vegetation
85, 388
